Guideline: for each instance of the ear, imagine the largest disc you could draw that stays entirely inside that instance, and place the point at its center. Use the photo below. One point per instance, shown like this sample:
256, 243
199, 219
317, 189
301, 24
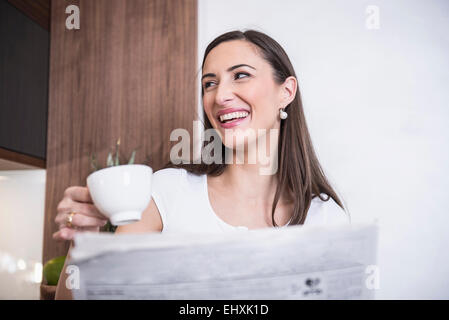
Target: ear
288, 91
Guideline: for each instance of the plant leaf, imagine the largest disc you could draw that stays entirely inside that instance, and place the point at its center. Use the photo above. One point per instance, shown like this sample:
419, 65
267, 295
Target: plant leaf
93, 162
133, 156
117, 146
110, 162
108, 227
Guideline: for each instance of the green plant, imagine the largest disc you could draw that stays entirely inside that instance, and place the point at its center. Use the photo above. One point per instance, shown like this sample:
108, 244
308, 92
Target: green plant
110, 162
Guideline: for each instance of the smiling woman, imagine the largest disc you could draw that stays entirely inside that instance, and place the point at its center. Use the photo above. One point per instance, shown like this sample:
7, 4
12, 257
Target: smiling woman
249, 83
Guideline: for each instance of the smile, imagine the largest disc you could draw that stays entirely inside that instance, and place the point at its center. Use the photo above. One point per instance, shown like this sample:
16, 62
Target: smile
231, 117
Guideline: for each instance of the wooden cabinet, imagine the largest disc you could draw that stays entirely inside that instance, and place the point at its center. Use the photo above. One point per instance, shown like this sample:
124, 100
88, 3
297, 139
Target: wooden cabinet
129, 72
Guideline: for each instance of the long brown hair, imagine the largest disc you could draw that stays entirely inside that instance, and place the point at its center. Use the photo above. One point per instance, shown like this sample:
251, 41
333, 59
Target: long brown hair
300, 173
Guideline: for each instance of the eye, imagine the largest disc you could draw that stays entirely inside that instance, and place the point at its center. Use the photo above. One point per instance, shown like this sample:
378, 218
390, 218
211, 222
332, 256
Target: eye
208, 84
238, 74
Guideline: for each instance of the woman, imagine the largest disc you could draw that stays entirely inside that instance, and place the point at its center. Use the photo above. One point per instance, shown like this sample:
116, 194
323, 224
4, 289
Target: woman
248, 83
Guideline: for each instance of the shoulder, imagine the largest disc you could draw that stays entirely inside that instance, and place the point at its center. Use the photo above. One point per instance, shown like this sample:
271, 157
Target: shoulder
169, 174
326, 212
167, 182
171, 180
166, 191
176, 191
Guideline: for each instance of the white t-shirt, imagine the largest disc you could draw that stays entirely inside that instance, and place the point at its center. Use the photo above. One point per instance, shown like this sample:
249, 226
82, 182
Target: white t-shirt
183, 203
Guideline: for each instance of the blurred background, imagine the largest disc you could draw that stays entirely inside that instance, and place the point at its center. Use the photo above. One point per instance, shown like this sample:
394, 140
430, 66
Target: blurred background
373, 76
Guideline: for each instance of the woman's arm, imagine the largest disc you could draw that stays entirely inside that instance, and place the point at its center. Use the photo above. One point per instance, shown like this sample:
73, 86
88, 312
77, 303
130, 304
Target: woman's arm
151, 222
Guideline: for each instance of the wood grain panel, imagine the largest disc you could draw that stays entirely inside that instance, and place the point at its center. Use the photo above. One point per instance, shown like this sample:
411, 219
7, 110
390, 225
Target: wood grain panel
129, 72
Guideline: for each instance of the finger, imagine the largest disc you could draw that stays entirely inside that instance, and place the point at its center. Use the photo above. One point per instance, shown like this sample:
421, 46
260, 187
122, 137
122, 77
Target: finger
80, 220
69, 233
84, 221
67, 206
85, 208
64, 234
77, 193
85, 228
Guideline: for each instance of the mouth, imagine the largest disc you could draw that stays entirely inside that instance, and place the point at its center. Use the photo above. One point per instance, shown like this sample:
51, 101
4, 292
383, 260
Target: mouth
232, 118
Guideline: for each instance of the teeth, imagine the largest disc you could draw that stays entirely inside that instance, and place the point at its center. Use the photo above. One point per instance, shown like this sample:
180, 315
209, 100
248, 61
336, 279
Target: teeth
238, 114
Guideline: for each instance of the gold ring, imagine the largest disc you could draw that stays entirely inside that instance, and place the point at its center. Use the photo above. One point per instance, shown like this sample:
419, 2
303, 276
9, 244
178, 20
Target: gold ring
70, 219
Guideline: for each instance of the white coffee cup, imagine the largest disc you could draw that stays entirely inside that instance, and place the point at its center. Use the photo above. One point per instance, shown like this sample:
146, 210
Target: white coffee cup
121, 193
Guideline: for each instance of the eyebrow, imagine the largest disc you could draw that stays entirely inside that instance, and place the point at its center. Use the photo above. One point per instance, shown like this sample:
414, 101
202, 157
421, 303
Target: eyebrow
228, 70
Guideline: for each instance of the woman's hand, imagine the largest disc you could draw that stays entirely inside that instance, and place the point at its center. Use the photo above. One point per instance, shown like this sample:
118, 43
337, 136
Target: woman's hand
86, 218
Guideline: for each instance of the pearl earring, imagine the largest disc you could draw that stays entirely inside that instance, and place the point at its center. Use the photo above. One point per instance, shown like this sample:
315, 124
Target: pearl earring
282, 114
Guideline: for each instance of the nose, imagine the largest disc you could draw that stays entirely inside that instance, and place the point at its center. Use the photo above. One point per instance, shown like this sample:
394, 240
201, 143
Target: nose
224, 94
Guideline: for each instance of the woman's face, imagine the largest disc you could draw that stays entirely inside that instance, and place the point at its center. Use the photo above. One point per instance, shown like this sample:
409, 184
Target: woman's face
240, 91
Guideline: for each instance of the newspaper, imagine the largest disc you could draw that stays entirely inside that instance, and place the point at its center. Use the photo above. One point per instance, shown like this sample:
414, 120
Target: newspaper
297, 262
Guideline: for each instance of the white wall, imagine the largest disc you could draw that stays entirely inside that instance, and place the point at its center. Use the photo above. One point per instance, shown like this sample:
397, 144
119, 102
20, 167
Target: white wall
376, 105
22, 201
